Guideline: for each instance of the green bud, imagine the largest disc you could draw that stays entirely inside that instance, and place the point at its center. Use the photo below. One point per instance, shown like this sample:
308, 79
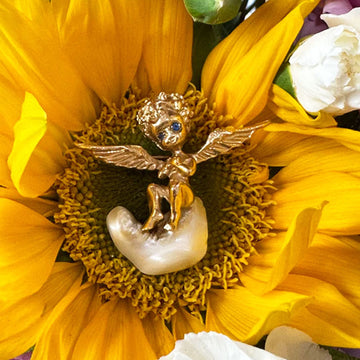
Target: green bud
283, 79
213, 11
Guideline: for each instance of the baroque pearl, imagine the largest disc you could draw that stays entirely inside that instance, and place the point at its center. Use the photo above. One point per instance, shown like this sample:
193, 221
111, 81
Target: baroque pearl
169, 251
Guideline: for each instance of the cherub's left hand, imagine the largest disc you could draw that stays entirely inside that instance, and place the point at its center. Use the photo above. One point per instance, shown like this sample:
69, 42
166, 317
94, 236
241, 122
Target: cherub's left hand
187, 166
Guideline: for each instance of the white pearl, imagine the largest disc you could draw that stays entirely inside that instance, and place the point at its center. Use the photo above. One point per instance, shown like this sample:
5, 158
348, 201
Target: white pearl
161, 254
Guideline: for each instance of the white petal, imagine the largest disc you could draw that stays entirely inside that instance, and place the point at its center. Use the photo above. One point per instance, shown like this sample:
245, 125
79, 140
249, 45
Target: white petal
351, 19
293, 344
214, 346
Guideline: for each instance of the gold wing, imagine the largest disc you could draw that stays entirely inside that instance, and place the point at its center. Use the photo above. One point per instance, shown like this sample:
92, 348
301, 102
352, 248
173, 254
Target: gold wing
221, 141
129, 156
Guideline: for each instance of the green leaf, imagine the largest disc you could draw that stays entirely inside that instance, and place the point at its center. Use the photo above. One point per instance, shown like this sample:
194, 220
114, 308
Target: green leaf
284, 80
63, 257
206, 37
350, 120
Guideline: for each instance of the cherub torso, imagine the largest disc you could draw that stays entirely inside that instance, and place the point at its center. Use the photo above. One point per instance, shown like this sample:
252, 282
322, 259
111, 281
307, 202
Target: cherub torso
178, 168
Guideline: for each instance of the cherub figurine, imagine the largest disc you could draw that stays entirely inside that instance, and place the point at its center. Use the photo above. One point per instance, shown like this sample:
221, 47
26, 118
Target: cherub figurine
166, 121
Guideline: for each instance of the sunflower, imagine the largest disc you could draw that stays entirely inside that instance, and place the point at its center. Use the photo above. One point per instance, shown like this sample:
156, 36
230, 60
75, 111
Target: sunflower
282, 248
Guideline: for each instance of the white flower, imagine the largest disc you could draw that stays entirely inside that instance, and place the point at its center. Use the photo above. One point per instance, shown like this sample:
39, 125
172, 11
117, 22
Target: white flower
293, 344
325, 70
350, 18
214, 346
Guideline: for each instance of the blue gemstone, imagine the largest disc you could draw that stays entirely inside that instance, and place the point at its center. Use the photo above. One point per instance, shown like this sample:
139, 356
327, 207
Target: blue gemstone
161, 136
176, 126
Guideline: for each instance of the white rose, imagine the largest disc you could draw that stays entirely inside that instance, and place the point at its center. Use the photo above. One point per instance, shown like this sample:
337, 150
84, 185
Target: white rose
214, 346
283, 341
325, 70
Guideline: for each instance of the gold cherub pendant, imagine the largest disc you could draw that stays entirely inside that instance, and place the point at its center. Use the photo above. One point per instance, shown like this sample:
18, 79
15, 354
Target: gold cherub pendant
166, 121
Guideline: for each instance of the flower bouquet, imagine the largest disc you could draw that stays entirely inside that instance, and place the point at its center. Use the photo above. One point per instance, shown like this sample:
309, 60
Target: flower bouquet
226, 132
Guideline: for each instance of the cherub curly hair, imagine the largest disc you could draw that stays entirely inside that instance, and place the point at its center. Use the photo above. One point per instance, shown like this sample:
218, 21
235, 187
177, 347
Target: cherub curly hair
160, 107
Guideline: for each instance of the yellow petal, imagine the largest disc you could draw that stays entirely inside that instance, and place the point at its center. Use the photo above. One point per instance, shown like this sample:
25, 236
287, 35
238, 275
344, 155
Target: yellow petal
141, 80
28, 131
346, 137
6, 143
21, 323
11, 99
183, 323
60, 10
42, 206
45, 164
36, 157
282, 148
37, 11
246, 317
167, 48
335, 261
323, 331
277, 256
20, 327
341, 191
66, 322
275, 147
288, 109
243, 80
265, 115
28, 247
31, 52
158, 335
330, 319
338, 158
104, 41
115, 332
243, 39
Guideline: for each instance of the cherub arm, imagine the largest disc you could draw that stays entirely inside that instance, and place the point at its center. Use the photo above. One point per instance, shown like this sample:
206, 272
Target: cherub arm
220, 141
129, 156
186, 166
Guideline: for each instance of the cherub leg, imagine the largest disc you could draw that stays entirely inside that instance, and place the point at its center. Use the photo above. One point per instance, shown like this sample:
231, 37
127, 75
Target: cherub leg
180, 196
176, 202
155, 195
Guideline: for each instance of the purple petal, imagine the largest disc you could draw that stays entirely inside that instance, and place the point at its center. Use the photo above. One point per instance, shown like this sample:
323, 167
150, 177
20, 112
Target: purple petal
351, 352
355, 3
312, 24
26, 356
337, 7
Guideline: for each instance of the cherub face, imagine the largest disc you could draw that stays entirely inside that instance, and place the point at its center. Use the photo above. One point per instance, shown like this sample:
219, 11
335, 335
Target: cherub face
170, 133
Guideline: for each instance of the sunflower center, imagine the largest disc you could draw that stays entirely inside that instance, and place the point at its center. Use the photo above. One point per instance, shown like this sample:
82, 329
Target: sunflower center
89, 189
